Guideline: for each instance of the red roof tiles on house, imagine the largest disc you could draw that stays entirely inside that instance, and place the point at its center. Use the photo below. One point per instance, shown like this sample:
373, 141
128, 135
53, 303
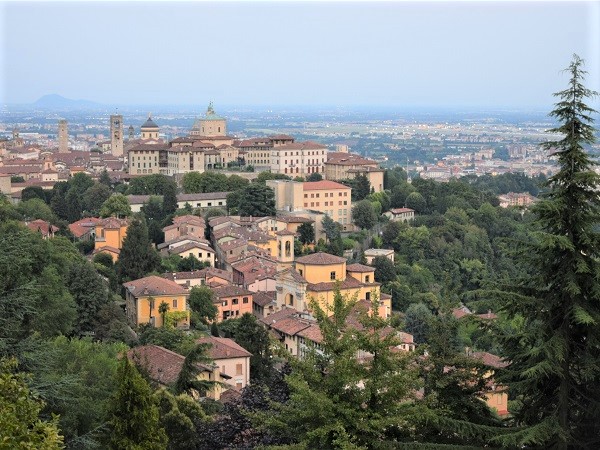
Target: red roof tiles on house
323, 185
321, 258
223, 348
154, 285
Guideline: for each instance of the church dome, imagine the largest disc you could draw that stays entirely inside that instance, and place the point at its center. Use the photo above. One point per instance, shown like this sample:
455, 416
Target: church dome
149, 123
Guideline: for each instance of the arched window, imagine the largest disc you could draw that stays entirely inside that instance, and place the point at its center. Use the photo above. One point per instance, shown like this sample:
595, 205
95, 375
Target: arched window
279, 248
288, 249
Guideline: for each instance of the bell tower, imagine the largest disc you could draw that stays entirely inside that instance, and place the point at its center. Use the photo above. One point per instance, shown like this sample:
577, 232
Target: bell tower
285, 249
116, 134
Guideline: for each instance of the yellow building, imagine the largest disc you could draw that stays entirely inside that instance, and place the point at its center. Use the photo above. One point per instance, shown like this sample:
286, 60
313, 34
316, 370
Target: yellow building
110, 233
149, 129
298, 159
343, 166
325, 196
315, 276
163, 366
210, 125
143, 298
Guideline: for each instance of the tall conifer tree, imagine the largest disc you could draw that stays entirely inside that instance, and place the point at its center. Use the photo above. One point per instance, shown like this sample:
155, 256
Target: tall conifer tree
137, 257
555, 357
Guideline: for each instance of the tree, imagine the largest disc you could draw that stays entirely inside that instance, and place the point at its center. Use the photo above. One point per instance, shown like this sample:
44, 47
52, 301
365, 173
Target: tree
315, 176
36, 208
361, 188
89, 293
134, 416
307, 233
417, 202
363, 215
235, 182
137, 257
163, 309
94, 198
116, 205
188, 380
337, 401
385, 271
255, 338
201, 303
155, 184
416, 321
194, 182
169, 202
105, 179
331, 228
214, 330
256, 200
32, 192
554, 356
264, 176
20, 425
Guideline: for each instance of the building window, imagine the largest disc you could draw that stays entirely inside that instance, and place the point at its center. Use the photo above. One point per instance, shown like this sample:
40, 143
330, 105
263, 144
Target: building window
368, 296
238, 369
368, 279
224, 302
234, 301
300, 272
174, 303
332, 275
245, 300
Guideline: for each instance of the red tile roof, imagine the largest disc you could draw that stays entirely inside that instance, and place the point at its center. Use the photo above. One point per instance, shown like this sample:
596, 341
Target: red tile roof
264, 298
323, 185
321, 258
154, 285
162, 364
359, 268
223, 348
490, 359
41, 226
231, 291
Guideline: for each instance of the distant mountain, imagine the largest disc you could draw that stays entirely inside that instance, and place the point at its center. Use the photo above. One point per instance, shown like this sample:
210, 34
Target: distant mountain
58, 101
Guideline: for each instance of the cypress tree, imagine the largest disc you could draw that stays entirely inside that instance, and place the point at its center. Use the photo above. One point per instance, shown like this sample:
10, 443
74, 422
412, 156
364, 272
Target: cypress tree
134, 415
137, 257
555, 356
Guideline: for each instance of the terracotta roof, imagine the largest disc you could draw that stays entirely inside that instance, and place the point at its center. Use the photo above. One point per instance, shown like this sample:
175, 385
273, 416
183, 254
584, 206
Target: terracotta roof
230, 396
112, 223
279, 315
320, 258
488, 316
189, 246
162, 364
41, 226
348, 283
294, 219
264, 298
198, 274
312, 333
461, 312
359, 268
348, 159
154, 285
285, 233
290, 325
83, 226
195, 220
149, 147
401, 210
280, 137
323, 185
185, 237
490, 359
223, 348
230, 291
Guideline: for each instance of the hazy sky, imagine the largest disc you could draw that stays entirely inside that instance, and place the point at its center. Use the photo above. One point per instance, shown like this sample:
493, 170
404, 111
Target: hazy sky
503, 54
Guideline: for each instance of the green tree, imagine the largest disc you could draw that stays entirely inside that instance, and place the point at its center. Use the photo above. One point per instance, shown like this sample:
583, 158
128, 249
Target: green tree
338, 402
169, 202
256, 200
194, 182
331, 228
105, 179
416, 321
363, 215
32, 192
137, 257
264, 176
235, 182
116, 205
94, 198
89, 292
315, 176
554, 355
361, 188
163, 309
183, 418
20, 425
188, 380
385, 271
307, 233
255, 338
416, 201
202, 304
36, 209
134, 415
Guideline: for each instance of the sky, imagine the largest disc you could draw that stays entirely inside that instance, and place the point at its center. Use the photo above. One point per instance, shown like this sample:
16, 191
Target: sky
389, 54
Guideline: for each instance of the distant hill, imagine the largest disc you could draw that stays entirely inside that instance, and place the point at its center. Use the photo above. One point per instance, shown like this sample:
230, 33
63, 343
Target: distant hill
58, 101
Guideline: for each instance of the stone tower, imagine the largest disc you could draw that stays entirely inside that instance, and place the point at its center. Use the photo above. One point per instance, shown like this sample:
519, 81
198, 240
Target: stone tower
285, 249
116, 135
131, 133
63, 137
